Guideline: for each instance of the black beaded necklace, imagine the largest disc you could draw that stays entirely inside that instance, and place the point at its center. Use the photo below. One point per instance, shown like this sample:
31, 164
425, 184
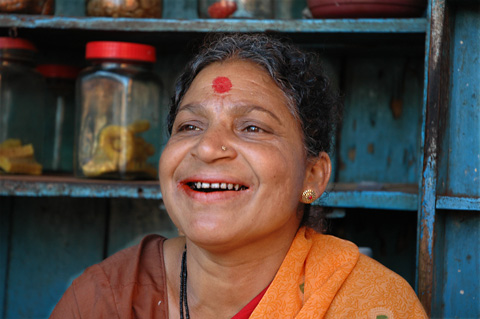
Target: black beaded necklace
183, 286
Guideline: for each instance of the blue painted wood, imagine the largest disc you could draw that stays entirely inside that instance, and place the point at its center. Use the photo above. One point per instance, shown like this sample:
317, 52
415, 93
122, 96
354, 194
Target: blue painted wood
458, 285
53, 240
459, 174
46, 186
379, 136
429, 136
5, 216
131, 220
370, 199
41, 186
414, 25
458, 203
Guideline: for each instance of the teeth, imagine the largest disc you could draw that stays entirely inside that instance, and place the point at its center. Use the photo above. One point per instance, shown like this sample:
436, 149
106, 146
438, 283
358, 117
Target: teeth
229, 186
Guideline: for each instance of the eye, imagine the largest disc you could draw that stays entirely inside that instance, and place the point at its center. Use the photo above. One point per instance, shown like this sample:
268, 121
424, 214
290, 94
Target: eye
253, 129
188, 127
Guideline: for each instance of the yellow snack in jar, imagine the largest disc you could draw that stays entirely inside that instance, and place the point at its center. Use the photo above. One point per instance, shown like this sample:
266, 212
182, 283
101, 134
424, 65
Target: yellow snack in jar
94, 168
10, 142
17, 151
20, 165
117, 143
139, 126
122, 152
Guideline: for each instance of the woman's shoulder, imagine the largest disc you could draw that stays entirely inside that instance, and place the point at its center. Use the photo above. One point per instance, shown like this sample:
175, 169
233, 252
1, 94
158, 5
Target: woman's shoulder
372, 290
368, 289
145, 256
131, 278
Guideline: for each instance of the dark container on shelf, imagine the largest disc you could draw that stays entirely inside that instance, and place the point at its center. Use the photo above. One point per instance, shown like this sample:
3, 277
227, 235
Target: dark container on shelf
241, 9
22, 91
59, 116
338, 9
125, 8
46, 7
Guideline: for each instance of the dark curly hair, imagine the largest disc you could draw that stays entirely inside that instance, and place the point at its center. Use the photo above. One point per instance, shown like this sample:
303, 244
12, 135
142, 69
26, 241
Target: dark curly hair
298, 74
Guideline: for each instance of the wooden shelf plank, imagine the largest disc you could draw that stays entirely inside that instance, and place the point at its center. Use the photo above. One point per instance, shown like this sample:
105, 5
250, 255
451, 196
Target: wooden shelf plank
410, 25
40, 186
458, 203
375, 196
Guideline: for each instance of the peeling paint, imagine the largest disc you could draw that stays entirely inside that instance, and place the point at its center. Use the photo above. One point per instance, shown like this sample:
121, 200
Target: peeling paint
436, 31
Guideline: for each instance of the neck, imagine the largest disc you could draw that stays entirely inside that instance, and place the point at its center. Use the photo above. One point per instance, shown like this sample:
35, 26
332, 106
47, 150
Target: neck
222, 283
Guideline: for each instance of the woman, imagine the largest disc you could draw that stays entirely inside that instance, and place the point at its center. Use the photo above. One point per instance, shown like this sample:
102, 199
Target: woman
251, 123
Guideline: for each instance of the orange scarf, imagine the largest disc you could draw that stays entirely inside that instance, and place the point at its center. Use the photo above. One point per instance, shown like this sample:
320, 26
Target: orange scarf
326, 277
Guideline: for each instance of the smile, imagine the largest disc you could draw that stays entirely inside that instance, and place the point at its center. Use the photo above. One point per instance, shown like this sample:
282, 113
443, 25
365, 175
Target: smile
215, 187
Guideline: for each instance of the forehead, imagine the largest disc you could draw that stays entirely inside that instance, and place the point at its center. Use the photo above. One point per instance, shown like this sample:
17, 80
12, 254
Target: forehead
233, 80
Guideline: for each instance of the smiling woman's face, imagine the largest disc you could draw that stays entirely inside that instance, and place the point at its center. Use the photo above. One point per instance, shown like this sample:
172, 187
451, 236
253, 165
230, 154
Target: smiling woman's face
250, 189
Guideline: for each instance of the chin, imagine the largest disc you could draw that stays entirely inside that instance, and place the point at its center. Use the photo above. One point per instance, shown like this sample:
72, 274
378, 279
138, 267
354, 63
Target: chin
212, 237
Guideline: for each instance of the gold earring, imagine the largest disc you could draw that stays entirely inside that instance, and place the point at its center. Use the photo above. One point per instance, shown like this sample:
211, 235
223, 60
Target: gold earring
308, 196
224, 148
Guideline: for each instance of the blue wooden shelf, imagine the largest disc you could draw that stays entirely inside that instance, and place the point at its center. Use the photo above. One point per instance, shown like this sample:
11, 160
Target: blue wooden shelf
398, 197
370, 199
371, 195
458, 203
41, 186
411, 25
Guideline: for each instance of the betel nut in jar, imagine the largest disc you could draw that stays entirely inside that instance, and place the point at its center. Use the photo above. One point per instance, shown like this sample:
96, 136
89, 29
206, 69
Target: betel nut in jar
45, 7
125, 8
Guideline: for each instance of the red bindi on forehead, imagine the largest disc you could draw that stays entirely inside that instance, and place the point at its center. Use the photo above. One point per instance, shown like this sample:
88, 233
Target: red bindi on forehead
221, 84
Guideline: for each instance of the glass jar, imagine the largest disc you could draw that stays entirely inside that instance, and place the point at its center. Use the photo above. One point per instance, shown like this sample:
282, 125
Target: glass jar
125, 8
27, 6
118, 112
22, 91
222, 9
59, 116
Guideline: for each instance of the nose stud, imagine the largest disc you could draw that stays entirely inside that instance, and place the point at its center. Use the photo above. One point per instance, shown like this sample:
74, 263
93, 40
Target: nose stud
224, 148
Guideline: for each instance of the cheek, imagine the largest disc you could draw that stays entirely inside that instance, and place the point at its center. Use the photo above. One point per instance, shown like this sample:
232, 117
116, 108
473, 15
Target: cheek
284, 167
169, 160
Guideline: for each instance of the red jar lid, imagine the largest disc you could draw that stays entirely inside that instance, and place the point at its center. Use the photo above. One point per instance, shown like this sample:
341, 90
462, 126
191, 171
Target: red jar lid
120, 50
58, 71
16, 43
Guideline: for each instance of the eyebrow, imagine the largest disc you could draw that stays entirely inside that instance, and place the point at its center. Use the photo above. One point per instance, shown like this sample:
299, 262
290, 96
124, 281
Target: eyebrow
198, 108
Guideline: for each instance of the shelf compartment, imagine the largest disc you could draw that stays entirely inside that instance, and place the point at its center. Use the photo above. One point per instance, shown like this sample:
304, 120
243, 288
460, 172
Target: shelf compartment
410, 25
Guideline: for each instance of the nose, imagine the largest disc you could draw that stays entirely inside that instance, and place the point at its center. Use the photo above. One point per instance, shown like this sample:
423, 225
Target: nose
216, 143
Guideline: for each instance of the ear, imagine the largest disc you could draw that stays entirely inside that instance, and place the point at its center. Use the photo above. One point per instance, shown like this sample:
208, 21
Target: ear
318, 174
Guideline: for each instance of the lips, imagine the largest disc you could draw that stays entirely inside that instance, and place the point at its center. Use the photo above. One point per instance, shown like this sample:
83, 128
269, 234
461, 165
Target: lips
207, 187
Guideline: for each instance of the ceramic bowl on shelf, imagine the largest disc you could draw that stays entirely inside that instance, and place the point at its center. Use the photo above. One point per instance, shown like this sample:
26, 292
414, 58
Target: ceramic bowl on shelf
333, 9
